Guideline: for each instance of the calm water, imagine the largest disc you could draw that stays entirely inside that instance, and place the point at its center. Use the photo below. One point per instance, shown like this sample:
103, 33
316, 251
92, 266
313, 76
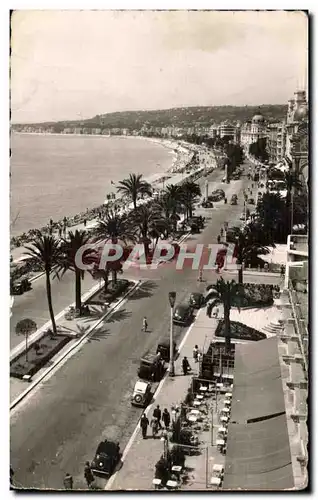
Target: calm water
53, 176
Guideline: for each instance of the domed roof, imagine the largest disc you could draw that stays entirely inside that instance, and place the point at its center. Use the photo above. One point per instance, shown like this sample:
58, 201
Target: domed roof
301, 113
258, 118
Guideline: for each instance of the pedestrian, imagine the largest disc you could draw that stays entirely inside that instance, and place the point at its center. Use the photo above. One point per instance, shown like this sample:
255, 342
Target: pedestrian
144, 324
68, 481
219, 239
185, 366
282, 270
209, 309
85, 222
144, 422
88, 475
64, 220
157, 415
166, 418
51, 222
60, 232
221, 231
195, 353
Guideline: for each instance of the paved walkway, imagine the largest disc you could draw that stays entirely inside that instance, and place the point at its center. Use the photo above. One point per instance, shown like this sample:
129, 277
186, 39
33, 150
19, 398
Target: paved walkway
137, 471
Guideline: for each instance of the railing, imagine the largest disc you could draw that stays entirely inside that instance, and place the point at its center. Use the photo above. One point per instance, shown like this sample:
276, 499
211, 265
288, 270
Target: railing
300, 323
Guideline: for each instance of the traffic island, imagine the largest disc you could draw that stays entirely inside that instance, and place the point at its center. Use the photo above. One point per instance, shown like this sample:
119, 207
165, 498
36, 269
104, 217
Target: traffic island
29, 362
239, 331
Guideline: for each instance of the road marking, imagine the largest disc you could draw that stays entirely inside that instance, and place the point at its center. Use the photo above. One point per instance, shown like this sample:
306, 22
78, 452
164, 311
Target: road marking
147, 410
74, 348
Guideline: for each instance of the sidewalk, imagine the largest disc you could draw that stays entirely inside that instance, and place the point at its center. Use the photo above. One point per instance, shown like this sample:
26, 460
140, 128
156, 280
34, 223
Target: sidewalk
141, 455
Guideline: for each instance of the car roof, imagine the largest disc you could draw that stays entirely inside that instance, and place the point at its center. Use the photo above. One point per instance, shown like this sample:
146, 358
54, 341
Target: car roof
140, 386
107, 447
196, 294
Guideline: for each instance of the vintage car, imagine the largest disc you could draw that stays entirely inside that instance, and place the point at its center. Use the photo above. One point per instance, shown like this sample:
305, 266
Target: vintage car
106, 458
207, 204
163, 347
18, 287
217, 195
251, 201
196, 300
183, 314
141, 395
152, 367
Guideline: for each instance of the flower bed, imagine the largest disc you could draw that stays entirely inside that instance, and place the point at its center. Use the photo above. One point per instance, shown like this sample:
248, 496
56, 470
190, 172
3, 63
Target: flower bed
39, 354
114, 291
240, 331
254, 295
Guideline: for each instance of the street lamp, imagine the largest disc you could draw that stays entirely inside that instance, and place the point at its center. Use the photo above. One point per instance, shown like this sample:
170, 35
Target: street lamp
172, 300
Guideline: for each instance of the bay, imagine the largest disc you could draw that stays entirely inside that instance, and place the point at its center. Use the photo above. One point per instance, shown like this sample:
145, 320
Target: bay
61, 175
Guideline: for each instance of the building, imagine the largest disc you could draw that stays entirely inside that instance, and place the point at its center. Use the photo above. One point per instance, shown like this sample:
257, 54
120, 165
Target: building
276, 141
253, 130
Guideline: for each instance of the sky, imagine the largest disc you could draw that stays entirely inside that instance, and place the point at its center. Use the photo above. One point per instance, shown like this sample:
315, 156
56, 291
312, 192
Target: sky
77, 64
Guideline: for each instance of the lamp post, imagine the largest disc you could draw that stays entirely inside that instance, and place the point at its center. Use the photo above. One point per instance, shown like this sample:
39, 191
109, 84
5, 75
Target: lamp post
206, 190
172, 300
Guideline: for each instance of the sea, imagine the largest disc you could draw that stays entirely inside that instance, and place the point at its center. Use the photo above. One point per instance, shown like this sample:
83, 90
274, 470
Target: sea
53, 176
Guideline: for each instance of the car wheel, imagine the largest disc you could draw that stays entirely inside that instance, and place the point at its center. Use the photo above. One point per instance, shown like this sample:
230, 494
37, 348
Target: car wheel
138, 398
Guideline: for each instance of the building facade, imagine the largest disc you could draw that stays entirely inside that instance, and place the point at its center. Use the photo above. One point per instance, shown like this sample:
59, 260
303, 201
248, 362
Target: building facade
253, 130
276, 141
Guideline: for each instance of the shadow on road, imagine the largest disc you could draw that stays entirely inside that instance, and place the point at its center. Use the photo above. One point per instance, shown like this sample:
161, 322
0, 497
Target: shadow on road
144, 291
98, 334
118, 316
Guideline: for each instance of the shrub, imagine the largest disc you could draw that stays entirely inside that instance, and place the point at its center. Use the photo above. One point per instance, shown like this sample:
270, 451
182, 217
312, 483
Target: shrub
240, 331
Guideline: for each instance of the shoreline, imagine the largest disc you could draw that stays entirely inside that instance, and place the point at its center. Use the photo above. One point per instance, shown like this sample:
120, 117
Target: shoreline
181, 156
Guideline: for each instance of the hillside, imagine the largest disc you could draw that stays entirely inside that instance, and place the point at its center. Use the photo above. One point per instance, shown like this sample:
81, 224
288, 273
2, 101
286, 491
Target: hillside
180, 117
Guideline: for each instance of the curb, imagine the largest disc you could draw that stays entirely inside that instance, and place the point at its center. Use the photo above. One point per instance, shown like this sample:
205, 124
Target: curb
73, 347
254, 273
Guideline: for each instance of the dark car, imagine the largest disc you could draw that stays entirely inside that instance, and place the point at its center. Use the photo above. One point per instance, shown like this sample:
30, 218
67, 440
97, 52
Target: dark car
152, 367
251, 201
207, 204
196, 300
106, 458
20, 286
234, 199
183, 314
164, 348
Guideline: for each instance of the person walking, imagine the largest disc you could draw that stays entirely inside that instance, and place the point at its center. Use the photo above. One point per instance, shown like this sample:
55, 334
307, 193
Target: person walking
88, 475
282, 271
166, 418
85, 222
185, 366
219, 239
144, 422
60, 232
68, 481
144, 324
195, 353
157, 415
209, 309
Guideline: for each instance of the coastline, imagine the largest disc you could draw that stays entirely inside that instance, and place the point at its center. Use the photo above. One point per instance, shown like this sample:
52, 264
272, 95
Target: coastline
181, 156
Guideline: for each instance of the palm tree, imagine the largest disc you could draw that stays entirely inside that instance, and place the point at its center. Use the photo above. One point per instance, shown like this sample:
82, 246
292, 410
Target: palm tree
250, 243
224, 292
69, 248
112, 228
271, 213
46, 251
190, 191
133, 187
146, 220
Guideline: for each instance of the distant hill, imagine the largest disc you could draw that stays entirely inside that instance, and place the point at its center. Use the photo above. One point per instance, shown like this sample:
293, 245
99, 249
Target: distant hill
179, 117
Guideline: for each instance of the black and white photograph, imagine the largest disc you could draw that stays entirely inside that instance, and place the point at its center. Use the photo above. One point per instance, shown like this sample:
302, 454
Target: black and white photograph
158, 244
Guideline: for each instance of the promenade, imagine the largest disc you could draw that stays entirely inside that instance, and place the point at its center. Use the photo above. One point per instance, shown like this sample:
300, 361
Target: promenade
88, 398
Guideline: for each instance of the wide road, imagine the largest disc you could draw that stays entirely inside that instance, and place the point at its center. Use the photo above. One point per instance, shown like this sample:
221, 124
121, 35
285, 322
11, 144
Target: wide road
59, 426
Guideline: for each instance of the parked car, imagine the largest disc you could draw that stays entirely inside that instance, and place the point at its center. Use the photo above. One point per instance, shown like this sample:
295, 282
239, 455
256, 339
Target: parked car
152, 367
217, 195
196, 300
242, 216
251, 201
198, 219
183, 314
18, 287
207, 204
141, 395
163, 347
106, 458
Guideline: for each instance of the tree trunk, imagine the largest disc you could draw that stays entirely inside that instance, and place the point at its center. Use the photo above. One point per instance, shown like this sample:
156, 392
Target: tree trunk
135, 202
114, 276
78, 298
105, 282
49, 300
227, 327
